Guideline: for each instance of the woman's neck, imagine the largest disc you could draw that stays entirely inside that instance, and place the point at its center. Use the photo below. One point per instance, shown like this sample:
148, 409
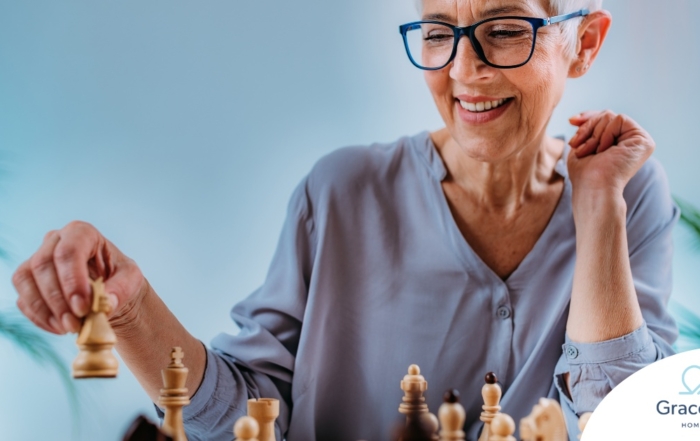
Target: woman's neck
504, 185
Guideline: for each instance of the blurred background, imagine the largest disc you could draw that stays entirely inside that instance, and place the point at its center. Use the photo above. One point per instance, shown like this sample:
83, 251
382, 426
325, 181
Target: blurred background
180, 128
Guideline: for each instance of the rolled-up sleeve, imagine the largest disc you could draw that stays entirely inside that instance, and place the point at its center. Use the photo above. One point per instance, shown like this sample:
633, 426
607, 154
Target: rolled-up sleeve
596, 368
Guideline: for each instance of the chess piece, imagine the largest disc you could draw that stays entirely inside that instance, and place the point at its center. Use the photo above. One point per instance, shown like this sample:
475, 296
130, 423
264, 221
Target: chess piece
246, 429
452, 416
265, 411
96, 339
545, 422
502, 428
582, 422
413, 403
174, 395
141, 429
491, 393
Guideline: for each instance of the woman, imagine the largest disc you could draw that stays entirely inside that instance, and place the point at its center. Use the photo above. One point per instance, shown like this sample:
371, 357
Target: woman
484, 246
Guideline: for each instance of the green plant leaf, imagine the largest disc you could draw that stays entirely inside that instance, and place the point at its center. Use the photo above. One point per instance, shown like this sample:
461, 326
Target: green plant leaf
690, 217
688, 327
28, 339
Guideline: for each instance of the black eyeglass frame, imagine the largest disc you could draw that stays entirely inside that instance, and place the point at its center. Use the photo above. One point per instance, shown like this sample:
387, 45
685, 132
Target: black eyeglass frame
469, 32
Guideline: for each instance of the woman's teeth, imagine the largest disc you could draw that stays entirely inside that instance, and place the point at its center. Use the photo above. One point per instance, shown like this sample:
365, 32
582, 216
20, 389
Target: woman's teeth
482, 107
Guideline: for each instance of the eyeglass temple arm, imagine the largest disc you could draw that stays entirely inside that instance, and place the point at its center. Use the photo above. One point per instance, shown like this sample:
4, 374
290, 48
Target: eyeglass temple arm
560, 18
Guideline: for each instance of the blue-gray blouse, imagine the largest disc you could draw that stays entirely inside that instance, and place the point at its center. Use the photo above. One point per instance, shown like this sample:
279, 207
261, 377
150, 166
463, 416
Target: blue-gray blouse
372, 274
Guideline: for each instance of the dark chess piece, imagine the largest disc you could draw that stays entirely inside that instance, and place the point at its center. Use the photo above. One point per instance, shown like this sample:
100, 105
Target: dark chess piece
143, 430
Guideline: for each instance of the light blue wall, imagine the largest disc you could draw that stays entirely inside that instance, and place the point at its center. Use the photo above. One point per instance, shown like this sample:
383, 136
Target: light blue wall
180, 129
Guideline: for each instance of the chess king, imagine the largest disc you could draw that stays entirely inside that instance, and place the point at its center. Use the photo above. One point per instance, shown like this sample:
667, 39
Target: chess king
484, 246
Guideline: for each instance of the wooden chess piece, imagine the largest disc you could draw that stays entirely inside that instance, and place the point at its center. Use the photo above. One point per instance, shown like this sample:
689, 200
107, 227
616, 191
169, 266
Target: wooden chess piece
141, 429
265, 411
246, 429
582, 422
545, 422
413, 402
502, 428
452, 416
174, 395
96, 339
491, 393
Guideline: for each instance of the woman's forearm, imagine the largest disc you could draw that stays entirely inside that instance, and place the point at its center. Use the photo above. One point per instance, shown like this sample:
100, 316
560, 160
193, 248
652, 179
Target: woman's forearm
146, 332
604, 303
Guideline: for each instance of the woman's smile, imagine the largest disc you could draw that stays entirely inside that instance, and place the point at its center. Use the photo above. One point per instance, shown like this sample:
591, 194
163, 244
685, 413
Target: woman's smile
480, 110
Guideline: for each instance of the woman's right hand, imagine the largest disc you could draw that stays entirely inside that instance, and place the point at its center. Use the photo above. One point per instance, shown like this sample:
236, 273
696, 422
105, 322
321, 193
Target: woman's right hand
54, 284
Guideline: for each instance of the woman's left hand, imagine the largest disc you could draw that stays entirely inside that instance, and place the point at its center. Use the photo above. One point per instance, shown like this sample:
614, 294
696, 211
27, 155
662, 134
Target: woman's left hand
607, 150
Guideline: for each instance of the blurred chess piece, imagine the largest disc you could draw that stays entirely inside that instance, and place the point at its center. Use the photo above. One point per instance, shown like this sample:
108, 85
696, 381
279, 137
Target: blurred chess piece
174, 395
582, 422
265, 411
96, 339
246, 429
141, 429
491, 393
413, 403
502, 428
452, 416
545, 423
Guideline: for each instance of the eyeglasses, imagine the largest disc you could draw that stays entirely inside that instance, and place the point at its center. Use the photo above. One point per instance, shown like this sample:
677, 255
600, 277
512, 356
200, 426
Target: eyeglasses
500, 42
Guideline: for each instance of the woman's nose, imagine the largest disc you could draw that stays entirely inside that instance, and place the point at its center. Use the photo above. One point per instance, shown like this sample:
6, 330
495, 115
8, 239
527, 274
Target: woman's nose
467, 66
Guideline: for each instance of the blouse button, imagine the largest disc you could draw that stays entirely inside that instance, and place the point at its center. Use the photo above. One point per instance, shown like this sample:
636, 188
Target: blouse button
503, 312
571, 351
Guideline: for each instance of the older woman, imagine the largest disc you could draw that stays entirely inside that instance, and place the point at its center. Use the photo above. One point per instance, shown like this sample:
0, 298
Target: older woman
484, 246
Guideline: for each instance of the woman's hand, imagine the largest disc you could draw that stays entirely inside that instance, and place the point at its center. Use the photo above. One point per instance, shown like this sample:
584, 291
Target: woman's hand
54, 284
607, 150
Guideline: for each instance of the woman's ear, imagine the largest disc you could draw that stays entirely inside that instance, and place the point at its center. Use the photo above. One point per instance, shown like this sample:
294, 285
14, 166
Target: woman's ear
591, 34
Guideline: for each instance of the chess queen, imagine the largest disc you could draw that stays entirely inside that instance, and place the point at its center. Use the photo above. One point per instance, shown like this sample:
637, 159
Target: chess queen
486, 245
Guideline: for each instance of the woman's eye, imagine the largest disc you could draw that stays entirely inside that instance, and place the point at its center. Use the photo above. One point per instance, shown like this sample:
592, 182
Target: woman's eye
508, 33
438, 37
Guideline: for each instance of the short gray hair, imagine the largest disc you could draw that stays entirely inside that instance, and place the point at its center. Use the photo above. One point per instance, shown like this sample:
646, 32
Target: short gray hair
559, 7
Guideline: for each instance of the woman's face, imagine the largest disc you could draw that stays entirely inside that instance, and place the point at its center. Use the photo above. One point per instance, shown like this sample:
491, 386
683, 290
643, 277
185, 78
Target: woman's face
530, 92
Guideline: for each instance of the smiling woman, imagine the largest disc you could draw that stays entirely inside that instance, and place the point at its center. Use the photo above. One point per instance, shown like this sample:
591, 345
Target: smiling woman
486, 245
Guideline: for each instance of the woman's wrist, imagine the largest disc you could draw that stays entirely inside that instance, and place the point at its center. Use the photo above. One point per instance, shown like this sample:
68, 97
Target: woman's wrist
593, 207
126, 321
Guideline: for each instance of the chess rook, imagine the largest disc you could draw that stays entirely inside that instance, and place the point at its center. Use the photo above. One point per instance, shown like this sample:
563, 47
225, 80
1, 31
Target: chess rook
452, 416
265, 411
174, 395
96, 339
491, 393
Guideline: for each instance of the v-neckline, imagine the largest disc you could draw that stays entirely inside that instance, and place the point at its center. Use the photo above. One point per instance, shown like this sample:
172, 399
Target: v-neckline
461, 246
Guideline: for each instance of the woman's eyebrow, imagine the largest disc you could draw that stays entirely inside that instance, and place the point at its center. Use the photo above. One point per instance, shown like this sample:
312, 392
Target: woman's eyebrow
493, 12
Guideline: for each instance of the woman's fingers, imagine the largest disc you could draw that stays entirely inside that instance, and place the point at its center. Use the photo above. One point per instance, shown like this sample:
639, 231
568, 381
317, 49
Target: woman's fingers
610, 133
30, 301
79, 245
46, 280
582, 117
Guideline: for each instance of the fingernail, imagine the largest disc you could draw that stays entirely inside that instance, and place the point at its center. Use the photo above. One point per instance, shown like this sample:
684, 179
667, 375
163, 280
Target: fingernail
70, 323
54, 324
78, 305
113, 301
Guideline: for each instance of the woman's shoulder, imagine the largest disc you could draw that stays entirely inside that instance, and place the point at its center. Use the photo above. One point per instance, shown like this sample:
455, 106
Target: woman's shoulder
366, 164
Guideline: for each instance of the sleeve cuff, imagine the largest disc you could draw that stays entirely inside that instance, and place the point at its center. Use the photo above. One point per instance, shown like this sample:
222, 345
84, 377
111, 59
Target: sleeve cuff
206, 389
609, 350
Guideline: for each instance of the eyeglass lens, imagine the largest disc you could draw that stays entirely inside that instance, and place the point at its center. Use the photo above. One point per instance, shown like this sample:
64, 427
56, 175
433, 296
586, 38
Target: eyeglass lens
505, 42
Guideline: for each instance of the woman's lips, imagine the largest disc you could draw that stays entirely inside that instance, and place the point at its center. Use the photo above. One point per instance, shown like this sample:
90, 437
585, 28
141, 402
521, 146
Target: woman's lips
476, 113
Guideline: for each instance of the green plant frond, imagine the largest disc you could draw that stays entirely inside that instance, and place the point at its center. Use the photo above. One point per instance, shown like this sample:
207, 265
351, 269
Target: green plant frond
690, 217
688, 327
28, 339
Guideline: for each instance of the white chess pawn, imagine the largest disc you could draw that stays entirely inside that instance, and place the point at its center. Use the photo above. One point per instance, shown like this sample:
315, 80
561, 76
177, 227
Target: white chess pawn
502, 428
491, 393
246, 429
452, 416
